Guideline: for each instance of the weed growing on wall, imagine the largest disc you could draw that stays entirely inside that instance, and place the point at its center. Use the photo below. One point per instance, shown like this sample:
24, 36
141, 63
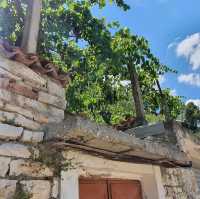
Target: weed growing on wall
53, 158
20, 193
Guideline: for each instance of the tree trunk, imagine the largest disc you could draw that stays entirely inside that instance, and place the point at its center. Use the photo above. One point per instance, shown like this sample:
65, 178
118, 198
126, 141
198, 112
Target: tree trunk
137, 96
164, 105
31, 28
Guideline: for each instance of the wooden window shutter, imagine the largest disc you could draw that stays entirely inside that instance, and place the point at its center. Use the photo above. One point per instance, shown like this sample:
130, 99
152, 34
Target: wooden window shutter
93, 189
125, 189
110, 189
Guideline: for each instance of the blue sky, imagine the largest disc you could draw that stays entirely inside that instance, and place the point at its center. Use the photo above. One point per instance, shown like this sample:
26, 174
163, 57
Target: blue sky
172, 28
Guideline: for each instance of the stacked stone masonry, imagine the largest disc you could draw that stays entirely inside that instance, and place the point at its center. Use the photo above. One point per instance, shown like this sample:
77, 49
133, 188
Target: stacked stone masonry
197, 175
179, 183
27, 103
27, 99
20, 165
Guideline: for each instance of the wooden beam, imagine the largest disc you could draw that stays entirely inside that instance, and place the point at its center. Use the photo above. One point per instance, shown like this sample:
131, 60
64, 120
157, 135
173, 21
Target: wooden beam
31, 28
165, 162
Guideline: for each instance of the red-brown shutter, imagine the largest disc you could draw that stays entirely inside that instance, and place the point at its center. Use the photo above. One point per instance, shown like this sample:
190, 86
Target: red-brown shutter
109, 189
125, 189
93, 189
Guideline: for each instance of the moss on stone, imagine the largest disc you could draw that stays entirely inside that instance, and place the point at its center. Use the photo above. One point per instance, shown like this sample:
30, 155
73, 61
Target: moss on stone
20, 193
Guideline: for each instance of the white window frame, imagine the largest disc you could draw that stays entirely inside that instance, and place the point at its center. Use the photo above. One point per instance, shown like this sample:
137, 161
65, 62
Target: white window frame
143, 173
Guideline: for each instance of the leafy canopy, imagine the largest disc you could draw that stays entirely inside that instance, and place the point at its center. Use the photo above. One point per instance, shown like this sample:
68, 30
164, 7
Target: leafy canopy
192, 116
75, 40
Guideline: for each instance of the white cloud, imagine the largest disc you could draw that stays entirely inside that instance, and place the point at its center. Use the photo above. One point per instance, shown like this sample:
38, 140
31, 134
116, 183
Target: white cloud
190, 49
195, 101
190, 79
195, 58
174, 43
173, 92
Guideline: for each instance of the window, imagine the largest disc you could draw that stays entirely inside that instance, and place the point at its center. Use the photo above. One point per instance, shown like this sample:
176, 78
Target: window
109, 189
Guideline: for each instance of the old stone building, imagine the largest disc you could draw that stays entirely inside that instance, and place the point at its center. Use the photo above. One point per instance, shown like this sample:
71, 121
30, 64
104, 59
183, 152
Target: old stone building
45, 153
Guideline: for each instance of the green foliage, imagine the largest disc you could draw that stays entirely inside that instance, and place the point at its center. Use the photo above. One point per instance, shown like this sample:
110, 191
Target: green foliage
153, 101
120, 3
192, 115
134, 52
174, 103
12, 14
75, 40
53, 158
3, 4
152, 118
107, 102
20, 193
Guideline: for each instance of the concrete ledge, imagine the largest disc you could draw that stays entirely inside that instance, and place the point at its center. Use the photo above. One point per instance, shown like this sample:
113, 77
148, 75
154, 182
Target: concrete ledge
148, 130
78, 130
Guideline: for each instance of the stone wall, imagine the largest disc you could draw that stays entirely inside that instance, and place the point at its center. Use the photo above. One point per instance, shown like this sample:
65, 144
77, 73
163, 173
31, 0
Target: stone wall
28, 101
20, 165
197, 175
179, 183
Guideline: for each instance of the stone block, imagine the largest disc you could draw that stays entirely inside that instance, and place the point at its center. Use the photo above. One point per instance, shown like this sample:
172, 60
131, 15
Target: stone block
23, 90
22, 71
55, 89
18, 87
55, 112
4, 166
14, 150
52, 100
18, 120
39, 189
148, 130
54, 119
35, 105
4, 82
7, 188
32, 136
32, 84
6, 73
31, 114
10, 132
30, 169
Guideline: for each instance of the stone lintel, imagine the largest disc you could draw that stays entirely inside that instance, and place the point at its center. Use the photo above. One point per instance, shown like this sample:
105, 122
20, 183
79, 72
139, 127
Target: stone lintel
83, 131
